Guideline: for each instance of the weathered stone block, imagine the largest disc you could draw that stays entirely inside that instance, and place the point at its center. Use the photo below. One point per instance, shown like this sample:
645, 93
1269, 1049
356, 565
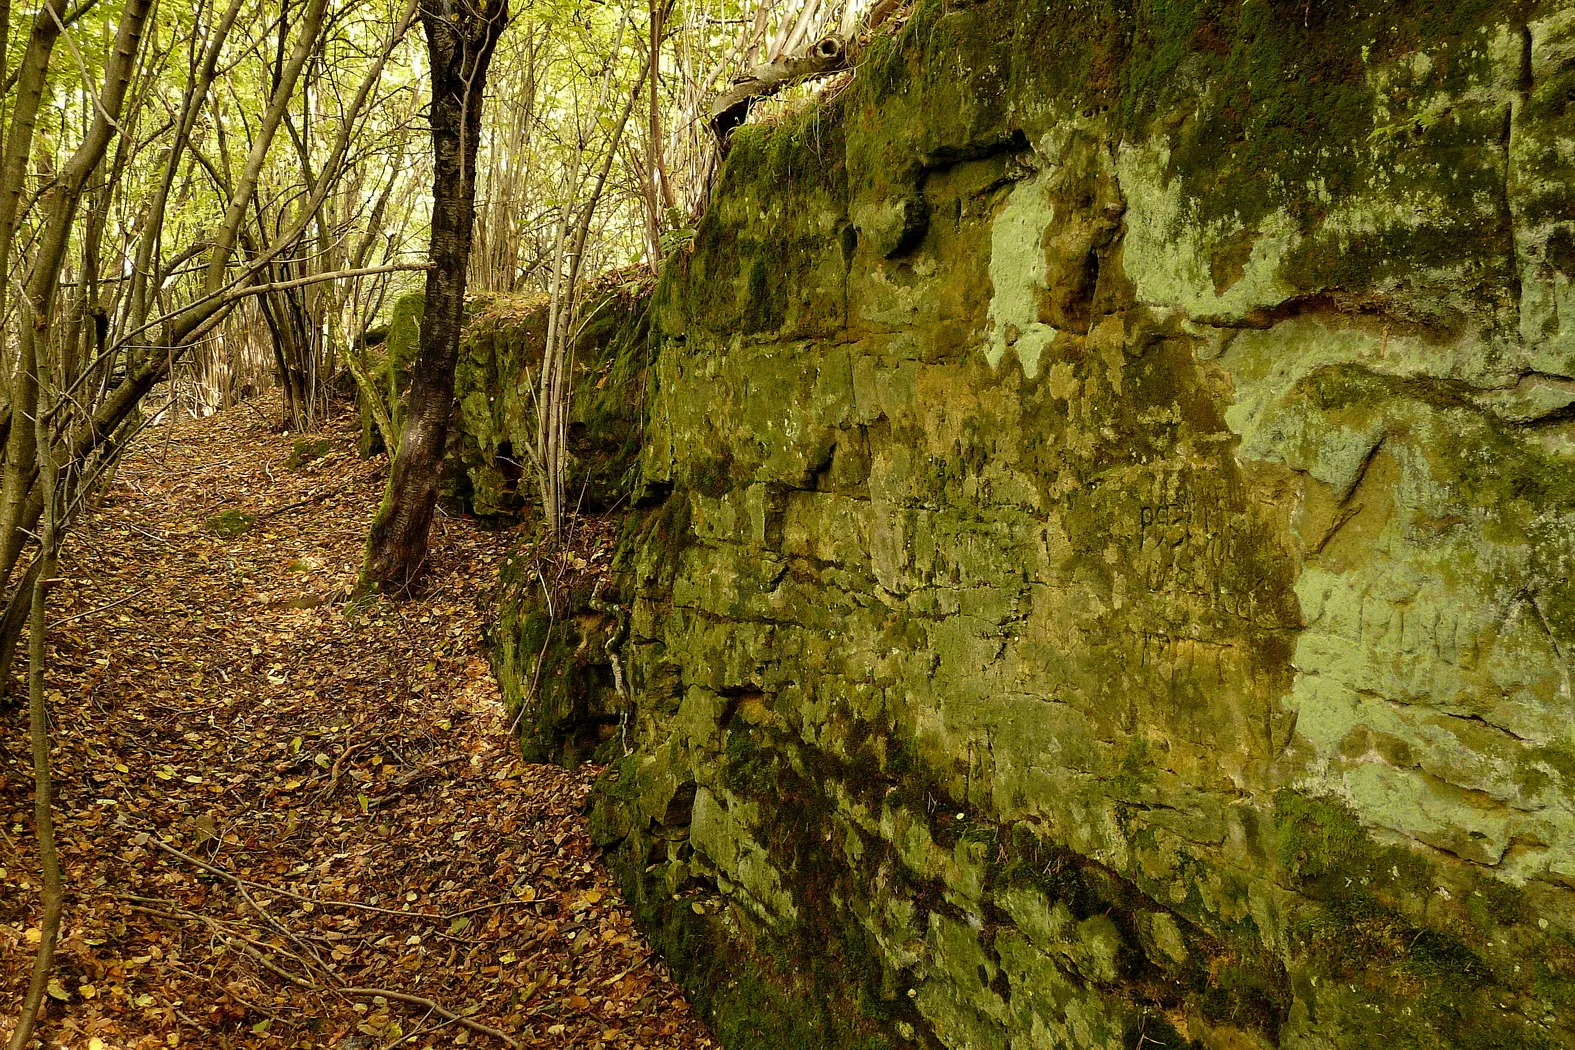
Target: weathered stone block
1111, 575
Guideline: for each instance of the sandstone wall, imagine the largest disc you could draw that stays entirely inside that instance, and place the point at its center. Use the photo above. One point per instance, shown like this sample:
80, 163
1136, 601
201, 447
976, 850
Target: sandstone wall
1103, 577
495, 389
488, 469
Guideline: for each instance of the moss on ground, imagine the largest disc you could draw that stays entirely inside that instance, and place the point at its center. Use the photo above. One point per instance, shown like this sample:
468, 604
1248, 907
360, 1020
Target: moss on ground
304, 451
230, 523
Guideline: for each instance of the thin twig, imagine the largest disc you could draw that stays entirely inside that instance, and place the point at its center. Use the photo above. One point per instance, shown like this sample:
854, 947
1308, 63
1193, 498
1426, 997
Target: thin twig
220, 927
428, 1004
315, 901
103, 608
240, 945
333, 774
371, 993
298, 504
232, 993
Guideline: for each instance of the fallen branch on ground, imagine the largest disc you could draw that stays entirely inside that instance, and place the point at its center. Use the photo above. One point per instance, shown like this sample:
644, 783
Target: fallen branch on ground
103, 608
373, 993
298, 504
830, 54
321, 902
252, 950
731, 108
428, 1004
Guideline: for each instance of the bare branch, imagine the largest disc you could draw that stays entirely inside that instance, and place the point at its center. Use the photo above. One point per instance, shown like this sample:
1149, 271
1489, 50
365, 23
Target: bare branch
827, 55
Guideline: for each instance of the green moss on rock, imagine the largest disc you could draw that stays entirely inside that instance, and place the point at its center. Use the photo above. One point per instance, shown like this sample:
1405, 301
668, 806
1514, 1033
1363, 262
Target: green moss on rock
1097, 574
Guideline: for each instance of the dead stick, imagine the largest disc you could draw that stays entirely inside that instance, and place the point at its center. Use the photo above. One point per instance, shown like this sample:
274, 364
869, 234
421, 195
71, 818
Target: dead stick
282, 928
232, 993
219, 927
333, 774
104, 608
315, 498
428, 1004
370, 993
231, 876
257, 956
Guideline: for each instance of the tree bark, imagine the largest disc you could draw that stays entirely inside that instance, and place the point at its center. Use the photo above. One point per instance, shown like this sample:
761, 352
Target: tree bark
459, 45
53, 890
18, 146
52, 893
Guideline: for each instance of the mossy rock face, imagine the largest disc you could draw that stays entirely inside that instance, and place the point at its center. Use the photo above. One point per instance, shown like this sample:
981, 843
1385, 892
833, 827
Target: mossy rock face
553, 653
496, 387
393, 354
304, 451
1099, 574
489, 471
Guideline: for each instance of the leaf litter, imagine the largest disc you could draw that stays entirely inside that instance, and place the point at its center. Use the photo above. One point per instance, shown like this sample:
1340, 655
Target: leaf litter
289, 820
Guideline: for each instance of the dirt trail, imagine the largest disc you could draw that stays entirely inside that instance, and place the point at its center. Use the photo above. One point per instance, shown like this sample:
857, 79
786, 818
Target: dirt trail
221, 714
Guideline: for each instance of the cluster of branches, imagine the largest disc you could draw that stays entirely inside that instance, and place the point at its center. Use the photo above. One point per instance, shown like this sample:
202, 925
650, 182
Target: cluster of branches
134, 225
190, 198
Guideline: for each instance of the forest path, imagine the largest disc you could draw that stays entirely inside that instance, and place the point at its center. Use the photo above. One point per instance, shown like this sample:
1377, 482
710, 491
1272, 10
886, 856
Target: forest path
218, 696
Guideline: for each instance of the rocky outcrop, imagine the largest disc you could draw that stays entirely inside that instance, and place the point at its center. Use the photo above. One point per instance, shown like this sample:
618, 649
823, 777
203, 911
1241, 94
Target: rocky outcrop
1103, 572
495, 387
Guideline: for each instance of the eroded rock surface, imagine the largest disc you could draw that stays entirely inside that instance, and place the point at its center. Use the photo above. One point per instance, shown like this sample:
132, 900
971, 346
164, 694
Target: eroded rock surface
1104, 574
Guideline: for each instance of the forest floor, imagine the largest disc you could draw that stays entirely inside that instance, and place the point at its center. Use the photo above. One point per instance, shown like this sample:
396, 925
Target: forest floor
289, 821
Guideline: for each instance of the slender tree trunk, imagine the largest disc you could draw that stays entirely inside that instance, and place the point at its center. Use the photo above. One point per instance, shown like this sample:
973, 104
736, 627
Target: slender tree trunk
197, 85
59, 205
552, 408
460, 49
13, 620
53, 893
19, 136
230, 228
43, 804
660, 9
5, 37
